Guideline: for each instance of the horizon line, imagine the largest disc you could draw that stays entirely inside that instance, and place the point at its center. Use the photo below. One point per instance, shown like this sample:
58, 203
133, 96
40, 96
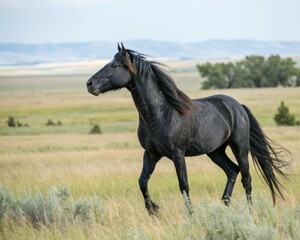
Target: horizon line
146, 39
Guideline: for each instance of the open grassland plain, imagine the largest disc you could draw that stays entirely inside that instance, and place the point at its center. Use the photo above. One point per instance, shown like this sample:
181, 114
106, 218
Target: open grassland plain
60, 182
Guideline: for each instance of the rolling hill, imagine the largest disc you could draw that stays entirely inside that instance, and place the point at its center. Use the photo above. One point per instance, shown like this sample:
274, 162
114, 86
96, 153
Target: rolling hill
28, 54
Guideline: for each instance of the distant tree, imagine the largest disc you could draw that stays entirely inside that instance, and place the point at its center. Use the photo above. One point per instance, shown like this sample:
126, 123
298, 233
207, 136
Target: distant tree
253, 71
288, 72
297, 82
239, 78
273, 70
228, 70
224, 75
280, 71
214, 74
283, 117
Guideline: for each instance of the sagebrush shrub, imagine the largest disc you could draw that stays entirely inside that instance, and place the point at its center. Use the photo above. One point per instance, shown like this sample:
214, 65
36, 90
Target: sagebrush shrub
96, 129
55, 208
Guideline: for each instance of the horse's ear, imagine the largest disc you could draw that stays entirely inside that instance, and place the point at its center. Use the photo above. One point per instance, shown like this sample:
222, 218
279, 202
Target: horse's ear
119, 48
123, 49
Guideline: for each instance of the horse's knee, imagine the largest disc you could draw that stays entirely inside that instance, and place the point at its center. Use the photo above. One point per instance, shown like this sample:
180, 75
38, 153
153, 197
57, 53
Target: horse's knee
143, 183
233, 174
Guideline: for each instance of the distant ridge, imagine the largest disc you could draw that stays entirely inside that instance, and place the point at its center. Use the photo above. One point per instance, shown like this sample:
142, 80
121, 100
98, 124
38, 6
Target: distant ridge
27, 54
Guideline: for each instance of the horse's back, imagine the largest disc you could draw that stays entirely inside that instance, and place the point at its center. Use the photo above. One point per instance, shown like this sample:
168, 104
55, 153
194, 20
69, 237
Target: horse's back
220, 97
224, 104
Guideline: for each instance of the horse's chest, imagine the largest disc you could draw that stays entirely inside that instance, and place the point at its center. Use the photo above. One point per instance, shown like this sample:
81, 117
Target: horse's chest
160, 145
163, 139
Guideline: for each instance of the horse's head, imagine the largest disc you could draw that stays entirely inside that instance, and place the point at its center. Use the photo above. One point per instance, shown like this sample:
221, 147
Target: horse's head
117, 74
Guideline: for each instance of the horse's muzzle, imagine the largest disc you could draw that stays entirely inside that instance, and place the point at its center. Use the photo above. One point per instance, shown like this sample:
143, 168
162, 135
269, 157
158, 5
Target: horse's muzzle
89, 83
91, 89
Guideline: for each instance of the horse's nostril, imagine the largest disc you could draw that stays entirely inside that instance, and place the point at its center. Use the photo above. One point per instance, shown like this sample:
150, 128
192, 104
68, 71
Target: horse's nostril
89, 83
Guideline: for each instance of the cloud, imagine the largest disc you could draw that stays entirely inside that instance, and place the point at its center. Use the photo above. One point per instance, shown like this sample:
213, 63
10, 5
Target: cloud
58, 3
186, 21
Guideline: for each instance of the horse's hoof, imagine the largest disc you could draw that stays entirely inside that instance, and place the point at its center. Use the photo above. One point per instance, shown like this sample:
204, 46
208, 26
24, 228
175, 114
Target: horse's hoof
226, 200
155, 207
152, 209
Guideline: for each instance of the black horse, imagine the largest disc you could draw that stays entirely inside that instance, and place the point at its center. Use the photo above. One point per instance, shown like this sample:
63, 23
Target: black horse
173, 125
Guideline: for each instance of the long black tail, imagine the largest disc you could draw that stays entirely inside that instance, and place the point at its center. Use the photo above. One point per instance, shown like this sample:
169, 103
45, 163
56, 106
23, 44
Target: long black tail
267, 158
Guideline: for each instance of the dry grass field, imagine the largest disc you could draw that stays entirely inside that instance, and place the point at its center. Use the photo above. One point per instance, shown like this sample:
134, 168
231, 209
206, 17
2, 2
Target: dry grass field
60, 182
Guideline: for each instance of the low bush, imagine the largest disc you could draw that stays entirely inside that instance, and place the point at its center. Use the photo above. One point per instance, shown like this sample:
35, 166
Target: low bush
12, 122
56, 208
96, 129
52, 123
283, 117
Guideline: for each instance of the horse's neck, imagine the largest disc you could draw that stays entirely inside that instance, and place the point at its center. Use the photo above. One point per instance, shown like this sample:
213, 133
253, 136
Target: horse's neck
149, 100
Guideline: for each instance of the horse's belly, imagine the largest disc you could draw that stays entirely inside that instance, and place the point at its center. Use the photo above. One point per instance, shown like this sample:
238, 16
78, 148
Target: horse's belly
207, 143
194, 150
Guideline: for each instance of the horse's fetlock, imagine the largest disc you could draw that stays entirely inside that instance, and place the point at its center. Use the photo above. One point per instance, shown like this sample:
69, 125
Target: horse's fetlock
151, 207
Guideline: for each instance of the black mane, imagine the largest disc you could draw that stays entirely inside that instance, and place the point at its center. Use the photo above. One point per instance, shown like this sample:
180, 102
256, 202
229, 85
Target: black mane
142, 68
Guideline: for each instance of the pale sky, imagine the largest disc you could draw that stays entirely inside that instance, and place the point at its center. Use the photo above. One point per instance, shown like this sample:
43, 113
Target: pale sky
53, 21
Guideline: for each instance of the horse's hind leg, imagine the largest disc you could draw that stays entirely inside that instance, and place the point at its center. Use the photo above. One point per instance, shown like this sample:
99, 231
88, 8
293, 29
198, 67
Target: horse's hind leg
240, 150
230, 168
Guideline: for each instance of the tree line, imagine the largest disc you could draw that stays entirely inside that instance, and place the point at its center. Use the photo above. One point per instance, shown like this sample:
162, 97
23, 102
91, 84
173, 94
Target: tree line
252, 72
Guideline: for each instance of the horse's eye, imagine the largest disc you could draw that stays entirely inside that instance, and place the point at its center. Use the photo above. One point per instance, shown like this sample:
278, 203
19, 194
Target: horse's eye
114, 65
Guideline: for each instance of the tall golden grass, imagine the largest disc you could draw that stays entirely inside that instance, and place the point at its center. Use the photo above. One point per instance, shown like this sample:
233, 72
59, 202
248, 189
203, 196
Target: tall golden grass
107, 166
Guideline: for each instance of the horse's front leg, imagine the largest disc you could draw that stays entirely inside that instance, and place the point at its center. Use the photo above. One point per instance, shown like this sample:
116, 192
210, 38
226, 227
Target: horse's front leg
180, 165
149, 163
